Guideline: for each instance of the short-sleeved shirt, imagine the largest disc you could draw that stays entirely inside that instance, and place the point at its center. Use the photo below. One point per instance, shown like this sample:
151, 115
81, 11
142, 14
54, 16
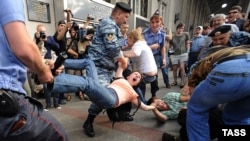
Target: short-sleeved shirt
197, 43
179, 43
144, 61
152, 38
12, 71
173, 101
106, 44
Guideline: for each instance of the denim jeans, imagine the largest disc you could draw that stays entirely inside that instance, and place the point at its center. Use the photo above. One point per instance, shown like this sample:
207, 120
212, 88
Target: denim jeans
99, 94
228, 83
48, 95
81, 64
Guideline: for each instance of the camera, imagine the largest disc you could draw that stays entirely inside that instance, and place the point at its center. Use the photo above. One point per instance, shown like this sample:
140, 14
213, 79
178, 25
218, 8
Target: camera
42, 35
75, 26
91, 17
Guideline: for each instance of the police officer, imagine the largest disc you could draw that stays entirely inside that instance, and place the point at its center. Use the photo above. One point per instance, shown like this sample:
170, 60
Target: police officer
222, 35
155, 38
105, 51
21, 117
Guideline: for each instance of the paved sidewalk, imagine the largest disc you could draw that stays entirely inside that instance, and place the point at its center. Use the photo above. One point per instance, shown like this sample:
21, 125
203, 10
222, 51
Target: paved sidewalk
144, 127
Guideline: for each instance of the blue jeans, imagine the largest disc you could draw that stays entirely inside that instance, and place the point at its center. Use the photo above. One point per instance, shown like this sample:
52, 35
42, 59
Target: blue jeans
100, 95
48, 95
81, 64
228, 83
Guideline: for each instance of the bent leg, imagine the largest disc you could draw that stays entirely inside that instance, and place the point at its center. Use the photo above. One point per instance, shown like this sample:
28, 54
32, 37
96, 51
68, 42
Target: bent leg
100, 95
80, 64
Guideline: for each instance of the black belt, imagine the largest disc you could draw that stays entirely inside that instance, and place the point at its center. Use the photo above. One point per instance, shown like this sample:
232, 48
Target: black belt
241, 56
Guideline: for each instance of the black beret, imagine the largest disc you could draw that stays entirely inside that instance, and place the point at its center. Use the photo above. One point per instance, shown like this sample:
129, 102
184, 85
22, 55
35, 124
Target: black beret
61, 22
123, 6
220, 30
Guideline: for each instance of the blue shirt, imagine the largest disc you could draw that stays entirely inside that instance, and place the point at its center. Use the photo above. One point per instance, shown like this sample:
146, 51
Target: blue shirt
197, 43
152, 38
12, 71
106, 44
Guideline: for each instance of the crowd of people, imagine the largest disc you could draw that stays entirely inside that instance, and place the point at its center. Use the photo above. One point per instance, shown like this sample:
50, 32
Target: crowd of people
213, 67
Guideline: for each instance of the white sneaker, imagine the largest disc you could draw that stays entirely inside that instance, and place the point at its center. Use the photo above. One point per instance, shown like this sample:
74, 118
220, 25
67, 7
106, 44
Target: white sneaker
58, 107
46, 110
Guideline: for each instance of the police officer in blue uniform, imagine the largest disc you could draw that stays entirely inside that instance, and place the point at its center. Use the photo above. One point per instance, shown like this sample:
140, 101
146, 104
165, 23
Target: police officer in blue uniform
21, 117
155, 38
105, 51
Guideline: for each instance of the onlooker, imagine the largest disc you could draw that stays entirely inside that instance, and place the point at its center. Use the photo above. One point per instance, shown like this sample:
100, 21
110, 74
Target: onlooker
46, 46
234, 17
105, 51
196, 44
124, 29
155, 39
220, 19
72, 51
181, 46
169, 106
59, 39
22, 117
206, 30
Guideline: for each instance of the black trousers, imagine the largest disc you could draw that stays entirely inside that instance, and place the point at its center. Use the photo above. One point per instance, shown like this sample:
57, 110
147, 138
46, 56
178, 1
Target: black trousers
215, 121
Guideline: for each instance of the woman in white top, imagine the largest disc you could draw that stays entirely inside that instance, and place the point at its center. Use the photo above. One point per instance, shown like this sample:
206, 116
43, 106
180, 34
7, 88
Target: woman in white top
142, 59
141, 54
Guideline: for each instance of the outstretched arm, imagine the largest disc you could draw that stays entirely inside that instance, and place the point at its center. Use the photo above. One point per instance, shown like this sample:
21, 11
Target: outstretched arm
146, 107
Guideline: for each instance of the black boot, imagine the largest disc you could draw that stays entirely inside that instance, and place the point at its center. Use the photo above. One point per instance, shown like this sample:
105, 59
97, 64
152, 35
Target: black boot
88, 126
128, 117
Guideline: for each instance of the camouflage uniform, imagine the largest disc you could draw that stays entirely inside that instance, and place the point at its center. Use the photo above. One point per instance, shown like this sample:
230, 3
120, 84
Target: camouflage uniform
105, 48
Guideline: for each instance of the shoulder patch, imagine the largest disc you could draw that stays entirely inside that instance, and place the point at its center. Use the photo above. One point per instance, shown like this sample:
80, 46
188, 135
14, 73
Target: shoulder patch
110, 36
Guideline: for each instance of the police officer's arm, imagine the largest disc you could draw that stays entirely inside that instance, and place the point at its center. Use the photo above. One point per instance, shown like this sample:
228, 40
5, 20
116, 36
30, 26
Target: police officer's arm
26, 50
163, 54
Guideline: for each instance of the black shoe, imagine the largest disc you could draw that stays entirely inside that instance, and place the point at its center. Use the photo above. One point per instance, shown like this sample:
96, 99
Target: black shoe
62, 101
168, 137
168, 86
128, 118
88, 128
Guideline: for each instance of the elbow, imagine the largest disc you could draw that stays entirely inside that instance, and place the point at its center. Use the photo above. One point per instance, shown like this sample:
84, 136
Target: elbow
163, 120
